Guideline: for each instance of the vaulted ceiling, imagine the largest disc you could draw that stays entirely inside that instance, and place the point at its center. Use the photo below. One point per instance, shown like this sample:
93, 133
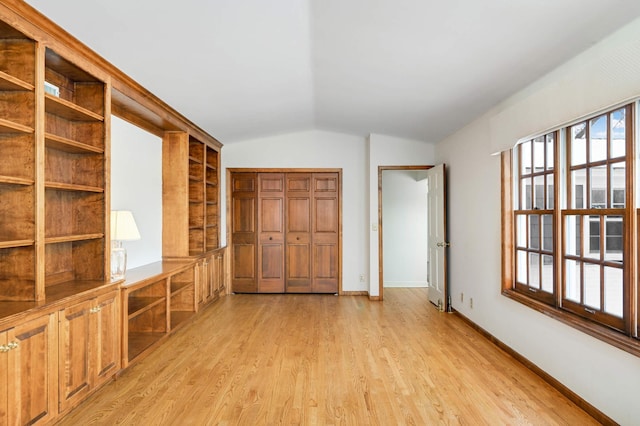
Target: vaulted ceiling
417, 69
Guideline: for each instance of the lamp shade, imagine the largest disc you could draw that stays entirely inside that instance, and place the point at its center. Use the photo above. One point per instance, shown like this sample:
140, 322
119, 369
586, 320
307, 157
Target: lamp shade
123, 226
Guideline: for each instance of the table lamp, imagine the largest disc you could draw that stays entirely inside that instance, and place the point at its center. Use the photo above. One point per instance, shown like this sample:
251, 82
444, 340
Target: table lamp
123, 228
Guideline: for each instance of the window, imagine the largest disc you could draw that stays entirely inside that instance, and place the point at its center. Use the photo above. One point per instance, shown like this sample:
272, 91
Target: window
569, 222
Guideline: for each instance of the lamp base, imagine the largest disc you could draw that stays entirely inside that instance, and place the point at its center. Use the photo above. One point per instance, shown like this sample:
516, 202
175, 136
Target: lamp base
118, 261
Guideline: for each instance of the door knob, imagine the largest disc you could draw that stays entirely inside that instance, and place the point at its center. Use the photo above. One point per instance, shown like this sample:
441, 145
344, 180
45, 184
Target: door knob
443, 244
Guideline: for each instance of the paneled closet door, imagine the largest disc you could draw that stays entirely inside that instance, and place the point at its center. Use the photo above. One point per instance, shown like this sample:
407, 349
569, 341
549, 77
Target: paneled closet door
298, 232
325, 219
244, 189
271, 233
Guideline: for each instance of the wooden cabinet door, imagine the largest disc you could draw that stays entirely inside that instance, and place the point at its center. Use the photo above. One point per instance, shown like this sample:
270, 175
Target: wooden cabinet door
32, 374
325, 219
105, 326
298, 232
7, 372
244, 278
73, 346
271, 233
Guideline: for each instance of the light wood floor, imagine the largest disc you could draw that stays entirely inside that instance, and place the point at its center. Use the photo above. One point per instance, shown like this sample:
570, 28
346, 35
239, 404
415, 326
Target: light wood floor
327, 360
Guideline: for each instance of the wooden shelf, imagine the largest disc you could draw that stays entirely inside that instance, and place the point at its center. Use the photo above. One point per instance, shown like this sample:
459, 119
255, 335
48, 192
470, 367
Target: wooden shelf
11, 83
179, 317
138, 305
68, 145
72, 187
195, 160
139, 342
16, 243
72, 238
7, 126
177, 286
15, 180
69, 110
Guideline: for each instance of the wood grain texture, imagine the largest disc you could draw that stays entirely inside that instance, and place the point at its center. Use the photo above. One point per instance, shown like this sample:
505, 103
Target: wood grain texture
321, 359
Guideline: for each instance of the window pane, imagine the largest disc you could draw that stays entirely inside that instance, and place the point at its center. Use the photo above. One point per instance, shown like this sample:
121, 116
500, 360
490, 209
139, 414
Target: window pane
598, 187
613, 241
578, 144
547, 273
538, 184
522, 267
572, 280
547, 232
525, 192
592, 285
598, 138
534, 231
534, 270
550, 194
572, 238
538, 154
591, 237
525, 158
550, 150
618, 185
521, 230
618, 133
578, 189
613, 296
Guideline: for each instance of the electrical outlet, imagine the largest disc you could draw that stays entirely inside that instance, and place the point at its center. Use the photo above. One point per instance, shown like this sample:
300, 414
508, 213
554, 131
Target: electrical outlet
361, 278
471, 302
461, 297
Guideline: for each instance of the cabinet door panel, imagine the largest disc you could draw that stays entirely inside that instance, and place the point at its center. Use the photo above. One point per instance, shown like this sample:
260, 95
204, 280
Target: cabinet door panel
5, 371
74, 369
34, 362
105, 328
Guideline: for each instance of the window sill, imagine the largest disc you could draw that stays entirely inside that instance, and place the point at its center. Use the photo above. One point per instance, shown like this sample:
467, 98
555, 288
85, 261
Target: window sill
607, 335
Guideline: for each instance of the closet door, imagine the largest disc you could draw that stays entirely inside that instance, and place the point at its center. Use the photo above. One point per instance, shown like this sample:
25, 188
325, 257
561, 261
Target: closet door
298, 232
325, 219
243, 229
271, 233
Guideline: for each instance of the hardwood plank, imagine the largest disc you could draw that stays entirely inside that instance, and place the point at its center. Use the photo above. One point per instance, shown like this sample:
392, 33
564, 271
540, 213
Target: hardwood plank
321, 359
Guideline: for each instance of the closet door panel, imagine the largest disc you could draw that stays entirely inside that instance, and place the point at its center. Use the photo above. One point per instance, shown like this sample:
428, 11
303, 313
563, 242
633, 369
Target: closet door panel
298, 232
244, 278
271, 233
326, 230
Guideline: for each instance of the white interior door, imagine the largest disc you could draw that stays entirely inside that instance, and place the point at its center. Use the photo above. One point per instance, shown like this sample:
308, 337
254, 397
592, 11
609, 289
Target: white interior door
437, 237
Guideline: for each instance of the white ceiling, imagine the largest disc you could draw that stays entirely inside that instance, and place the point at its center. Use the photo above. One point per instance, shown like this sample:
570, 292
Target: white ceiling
417, 69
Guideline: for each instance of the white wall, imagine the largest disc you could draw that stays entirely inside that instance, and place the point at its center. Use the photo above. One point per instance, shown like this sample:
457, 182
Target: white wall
389, 151
136, 185
604, 376
404, 213
317, 149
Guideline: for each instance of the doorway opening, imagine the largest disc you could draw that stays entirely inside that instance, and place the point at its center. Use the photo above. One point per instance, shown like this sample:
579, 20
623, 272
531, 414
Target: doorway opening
403, 259
425, 254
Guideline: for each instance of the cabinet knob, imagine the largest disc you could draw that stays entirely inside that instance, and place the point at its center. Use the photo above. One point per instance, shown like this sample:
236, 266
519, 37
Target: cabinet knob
270, 238
95, 310
12, 345
297, 238
4, 348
